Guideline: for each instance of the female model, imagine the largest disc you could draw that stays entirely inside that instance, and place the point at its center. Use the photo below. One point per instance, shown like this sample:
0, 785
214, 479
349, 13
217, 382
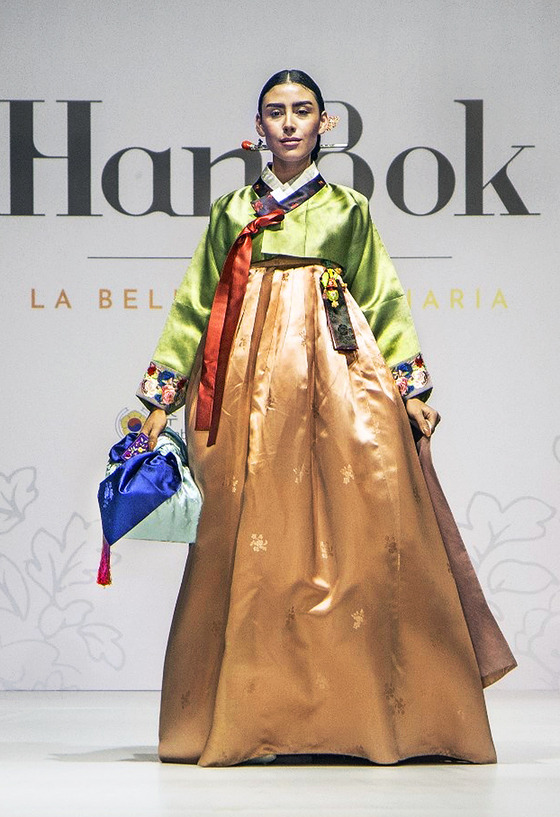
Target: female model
319, 612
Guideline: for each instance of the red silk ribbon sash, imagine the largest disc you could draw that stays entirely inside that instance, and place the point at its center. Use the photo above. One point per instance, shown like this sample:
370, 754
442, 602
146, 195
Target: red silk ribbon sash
224, 316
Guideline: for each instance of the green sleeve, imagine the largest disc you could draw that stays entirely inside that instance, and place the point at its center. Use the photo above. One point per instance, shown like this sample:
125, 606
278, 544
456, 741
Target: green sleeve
373, 282
165, 381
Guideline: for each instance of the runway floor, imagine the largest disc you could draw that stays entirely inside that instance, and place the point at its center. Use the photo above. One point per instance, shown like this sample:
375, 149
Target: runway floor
93, 754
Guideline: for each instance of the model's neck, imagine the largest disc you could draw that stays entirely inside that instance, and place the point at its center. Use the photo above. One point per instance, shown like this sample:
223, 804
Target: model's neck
284, 171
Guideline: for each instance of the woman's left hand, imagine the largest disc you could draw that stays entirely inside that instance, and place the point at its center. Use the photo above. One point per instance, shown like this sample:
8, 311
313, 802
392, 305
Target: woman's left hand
422, 415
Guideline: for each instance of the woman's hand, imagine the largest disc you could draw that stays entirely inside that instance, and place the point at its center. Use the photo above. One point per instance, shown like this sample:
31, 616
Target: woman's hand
154, 425
422, 415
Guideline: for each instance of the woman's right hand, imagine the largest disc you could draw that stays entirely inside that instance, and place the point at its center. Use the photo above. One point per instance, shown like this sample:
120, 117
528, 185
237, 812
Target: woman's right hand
154, 425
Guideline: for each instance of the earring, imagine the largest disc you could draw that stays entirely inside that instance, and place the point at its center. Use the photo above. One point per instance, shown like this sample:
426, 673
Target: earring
332, 122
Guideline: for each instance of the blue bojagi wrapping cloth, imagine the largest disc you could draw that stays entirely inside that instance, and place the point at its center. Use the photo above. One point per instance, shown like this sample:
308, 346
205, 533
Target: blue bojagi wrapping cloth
136, 488
131, 492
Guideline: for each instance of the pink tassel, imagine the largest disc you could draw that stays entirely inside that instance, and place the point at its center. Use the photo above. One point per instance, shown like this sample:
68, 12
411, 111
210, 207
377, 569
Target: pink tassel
104, 572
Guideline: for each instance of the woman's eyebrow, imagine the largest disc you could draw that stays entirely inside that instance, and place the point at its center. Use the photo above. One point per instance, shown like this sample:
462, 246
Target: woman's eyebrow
294, 104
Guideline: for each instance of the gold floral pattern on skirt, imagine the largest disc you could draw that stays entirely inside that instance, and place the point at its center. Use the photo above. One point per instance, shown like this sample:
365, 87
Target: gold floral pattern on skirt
359, 618
258, 542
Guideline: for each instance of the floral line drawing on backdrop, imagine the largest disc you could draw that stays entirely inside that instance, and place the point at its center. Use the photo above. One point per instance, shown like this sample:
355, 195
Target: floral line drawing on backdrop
49, 632
514, 549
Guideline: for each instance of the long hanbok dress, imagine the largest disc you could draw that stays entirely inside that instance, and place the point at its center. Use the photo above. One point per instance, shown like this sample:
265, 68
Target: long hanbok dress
321, 609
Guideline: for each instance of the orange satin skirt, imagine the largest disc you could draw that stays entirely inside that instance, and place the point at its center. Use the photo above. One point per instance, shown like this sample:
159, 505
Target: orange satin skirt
318, 612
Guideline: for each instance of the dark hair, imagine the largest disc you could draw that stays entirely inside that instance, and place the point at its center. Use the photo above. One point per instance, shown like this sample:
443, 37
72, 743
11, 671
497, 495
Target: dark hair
299, 78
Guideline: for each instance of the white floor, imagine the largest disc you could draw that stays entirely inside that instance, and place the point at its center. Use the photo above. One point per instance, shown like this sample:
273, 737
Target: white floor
94, 755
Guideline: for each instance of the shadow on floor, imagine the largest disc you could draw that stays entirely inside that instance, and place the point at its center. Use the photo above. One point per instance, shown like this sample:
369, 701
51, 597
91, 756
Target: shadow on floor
350, 760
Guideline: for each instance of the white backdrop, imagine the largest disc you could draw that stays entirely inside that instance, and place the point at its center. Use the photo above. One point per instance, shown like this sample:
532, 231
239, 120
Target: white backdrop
484, 288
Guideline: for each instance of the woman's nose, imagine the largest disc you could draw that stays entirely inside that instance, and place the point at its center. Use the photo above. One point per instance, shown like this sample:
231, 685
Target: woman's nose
288, 123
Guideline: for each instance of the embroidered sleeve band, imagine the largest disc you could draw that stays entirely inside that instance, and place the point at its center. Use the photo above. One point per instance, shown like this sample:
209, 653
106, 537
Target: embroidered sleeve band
412, 377
163, 388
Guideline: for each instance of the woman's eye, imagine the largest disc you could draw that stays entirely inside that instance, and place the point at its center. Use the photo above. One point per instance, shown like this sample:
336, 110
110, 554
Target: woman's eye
303, 112
275, 114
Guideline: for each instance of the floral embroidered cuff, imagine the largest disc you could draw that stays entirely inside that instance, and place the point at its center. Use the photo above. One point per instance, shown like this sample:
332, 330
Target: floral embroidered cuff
162, 388
412, 377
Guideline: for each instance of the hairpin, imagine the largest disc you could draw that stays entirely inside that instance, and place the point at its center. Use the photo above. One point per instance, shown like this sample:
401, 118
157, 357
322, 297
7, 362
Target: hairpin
260, 145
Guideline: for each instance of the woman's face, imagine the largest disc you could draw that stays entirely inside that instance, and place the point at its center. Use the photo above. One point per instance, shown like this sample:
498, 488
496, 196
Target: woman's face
290, 122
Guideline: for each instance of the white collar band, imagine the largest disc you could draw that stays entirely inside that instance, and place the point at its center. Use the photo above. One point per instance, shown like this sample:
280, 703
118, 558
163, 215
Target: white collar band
281, 190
